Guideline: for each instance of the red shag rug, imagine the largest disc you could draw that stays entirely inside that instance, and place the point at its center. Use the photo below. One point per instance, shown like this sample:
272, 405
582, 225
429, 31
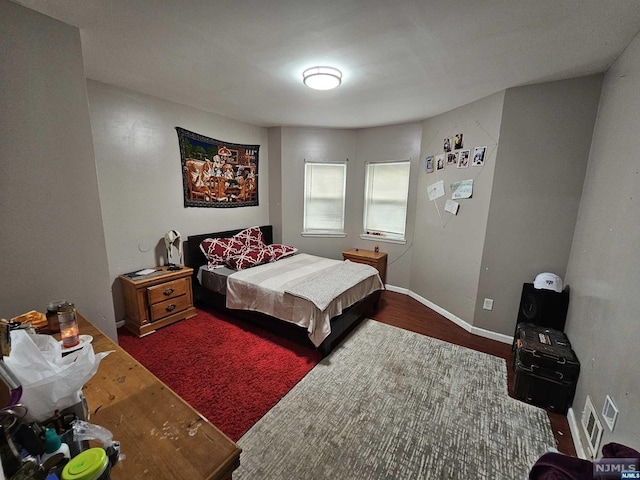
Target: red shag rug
229, 370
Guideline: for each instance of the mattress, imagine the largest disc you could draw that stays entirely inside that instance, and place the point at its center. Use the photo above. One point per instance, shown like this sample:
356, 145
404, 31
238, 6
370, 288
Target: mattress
215, 279
267, 289
274, 289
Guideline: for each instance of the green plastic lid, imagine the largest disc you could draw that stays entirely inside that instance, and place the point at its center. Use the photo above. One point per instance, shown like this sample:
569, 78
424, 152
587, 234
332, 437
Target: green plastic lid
87, 465
52, 440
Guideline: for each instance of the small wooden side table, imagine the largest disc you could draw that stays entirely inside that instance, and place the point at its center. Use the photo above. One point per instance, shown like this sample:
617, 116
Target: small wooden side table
157, 300
377, 260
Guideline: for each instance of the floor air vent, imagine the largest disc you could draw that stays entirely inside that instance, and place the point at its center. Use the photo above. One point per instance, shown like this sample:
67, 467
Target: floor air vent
592, 427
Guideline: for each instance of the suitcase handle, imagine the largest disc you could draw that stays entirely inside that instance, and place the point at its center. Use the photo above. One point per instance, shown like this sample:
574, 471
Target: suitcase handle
560, 375
559, 360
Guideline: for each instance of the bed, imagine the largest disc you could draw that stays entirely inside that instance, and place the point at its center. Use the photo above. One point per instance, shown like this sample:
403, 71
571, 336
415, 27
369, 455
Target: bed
310, 299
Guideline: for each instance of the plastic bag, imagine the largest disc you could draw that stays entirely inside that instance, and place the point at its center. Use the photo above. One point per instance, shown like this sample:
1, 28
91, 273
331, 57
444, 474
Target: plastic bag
85, 431
49, 381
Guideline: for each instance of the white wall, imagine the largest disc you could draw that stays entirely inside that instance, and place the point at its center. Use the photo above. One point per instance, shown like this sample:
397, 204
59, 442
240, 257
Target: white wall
521, 216
542, 158
447, 250
53, 241
395, 142
140, 176
313, 144
275, 182
604, 266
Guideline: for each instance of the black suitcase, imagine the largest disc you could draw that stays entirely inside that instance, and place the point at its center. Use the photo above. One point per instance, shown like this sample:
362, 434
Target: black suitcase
546, 367
555, 396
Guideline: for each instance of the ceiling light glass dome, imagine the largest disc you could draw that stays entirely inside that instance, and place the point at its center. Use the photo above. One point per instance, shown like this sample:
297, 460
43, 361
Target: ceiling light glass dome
322, 78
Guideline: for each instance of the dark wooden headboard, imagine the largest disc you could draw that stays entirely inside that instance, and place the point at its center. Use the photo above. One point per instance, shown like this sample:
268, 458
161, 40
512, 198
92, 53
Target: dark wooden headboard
194, 257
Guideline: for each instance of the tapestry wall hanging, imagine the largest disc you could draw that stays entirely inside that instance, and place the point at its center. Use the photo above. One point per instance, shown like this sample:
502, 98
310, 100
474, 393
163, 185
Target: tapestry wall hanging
217, 174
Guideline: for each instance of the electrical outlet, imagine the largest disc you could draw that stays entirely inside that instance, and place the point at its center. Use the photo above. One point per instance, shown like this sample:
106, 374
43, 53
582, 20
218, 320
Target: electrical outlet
609, 412
488, 304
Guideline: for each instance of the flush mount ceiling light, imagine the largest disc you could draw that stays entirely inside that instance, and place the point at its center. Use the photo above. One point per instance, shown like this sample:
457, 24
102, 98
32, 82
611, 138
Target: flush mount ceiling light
322, 78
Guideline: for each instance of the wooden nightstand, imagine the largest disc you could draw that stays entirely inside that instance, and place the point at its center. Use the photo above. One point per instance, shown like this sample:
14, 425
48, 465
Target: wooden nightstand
375, 259
157, 300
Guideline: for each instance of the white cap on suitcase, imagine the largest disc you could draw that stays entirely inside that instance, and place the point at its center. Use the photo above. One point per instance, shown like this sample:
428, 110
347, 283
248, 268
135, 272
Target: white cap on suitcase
548, 281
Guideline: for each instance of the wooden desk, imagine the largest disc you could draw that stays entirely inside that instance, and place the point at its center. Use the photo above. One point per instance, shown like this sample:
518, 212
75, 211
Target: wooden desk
161, 436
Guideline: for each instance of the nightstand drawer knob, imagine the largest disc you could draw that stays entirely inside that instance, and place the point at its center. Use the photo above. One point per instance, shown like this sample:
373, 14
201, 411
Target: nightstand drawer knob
170, 308
168, 291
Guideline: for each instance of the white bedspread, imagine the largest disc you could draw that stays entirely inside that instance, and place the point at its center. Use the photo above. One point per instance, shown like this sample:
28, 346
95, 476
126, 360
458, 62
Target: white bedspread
264, 289
324, 286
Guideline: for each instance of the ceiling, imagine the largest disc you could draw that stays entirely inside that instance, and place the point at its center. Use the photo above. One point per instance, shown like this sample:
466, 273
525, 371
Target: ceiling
402, 60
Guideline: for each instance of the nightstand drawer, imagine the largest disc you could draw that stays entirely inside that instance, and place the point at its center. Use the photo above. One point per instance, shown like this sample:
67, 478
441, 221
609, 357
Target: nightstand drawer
365, 261
166, 291
169, 307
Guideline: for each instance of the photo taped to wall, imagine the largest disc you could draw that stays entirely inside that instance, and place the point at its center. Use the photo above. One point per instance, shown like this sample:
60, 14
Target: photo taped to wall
479, 154
428, 164
463, 159
458, 141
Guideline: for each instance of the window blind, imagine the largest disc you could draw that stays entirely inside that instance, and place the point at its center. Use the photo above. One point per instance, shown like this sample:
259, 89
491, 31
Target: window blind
387, 189
324, 197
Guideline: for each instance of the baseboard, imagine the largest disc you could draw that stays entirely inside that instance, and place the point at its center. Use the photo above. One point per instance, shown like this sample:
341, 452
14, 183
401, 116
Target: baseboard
574, 427
481, 332
120, 324
393, 288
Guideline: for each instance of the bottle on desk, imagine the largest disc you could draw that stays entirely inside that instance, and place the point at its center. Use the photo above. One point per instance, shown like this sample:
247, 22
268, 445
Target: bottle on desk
53, 445
68, 322
52, 316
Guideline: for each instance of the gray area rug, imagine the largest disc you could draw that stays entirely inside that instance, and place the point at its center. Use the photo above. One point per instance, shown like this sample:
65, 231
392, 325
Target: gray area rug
392, 404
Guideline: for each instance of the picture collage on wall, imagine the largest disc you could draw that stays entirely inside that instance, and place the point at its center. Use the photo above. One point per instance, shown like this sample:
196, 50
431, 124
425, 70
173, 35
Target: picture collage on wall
454, 154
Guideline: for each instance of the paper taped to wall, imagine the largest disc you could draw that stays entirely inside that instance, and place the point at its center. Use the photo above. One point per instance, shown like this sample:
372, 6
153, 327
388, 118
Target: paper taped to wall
463, 189
451, 207
435, 190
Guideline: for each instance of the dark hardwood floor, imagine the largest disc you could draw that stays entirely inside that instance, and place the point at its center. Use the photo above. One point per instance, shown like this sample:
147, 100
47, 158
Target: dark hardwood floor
405, 312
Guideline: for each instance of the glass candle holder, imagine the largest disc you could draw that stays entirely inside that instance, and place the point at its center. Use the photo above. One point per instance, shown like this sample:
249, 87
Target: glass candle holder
52, 315
68, 322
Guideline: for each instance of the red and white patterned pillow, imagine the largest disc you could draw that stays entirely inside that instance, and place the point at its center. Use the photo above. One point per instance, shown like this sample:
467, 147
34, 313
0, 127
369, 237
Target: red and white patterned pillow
249, 257
279, 251
251, 237
218, 250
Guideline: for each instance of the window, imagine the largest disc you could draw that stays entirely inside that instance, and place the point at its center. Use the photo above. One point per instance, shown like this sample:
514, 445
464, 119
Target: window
385, 200
324, 198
